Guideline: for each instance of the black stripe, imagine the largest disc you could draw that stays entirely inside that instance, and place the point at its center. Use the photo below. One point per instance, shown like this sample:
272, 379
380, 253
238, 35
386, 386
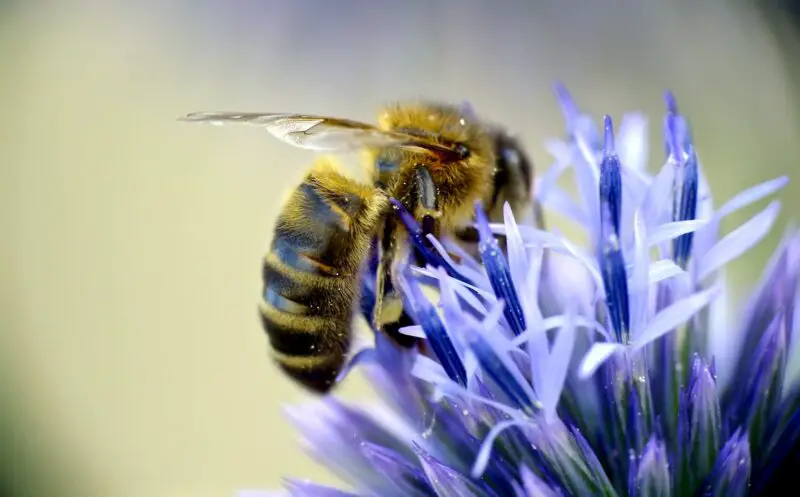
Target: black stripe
307, 295
302, 342
319, 379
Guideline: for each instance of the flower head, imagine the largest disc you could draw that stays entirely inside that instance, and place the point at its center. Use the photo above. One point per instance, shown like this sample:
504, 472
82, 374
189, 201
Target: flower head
552, 369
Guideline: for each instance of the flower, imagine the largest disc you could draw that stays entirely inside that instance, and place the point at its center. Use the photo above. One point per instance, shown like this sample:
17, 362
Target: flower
551, 369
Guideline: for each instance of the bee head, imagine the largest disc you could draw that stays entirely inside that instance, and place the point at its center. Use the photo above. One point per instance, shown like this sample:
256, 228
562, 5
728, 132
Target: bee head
453, 126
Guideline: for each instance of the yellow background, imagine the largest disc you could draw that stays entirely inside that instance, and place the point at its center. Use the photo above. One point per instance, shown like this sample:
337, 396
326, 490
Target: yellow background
133, 359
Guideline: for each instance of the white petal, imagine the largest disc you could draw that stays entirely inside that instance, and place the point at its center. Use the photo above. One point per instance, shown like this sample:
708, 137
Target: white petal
663, 269
557, 200
597, 355
639, 284
548, 180
675, 315
413, 331
632, 142
670, 231
739, 240
751, 195
659, 195
559, 149
558, 364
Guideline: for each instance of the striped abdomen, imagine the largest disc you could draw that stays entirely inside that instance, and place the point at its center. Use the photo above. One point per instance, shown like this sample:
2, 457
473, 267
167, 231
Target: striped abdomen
321, 238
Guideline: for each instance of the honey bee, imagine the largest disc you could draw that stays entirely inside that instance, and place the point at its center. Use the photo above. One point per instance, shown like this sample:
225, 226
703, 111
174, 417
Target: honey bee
435, 159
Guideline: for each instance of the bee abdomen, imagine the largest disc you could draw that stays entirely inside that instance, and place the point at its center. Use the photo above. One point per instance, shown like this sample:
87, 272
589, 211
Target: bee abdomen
310, 348
317, 373
311, 272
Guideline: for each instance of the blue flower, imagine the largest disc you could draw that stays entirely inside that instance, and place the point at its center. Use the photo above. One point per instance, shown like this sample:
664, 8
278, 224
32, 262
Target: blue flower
554, 369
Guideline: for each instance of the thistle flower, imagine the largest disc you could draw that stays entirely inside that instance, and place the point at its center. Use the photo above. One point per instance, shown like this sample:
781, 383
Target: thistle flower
552, 369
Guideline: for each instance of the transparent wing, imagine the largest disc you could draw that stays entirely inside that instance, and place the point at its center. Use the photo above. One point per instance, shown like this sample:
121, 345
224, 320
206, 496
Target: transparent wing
321, 133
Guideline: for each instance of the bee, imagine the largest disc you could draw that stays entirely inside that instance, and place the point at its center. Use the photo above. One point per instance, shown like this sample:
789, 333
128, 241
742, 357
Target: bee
436, 160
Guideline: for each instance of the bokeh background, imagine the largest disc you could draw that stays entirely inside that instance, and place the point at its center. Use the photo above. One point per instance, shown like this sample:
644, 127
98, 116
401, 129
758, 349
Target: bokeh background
132, 359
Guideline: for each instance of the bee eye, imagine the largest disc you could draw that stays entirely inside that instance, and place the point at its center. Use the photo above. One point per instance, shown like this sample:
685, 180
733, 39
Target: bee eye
462, 150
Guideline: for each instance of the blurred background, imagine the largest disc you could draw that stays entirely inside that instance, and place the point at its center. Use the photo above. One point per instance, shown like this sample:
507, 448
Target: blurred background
133, 363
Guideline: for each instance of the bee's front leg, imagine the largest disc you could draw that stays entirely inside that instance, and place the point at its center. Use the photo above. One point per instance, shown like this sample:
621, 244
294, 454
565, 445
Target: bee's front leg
429, 204
388, 315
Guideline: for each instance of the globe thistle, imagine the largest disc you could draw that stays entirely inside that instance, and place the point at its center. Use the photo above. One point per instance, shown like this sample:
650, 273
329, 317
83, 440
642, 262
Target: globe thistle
554, 369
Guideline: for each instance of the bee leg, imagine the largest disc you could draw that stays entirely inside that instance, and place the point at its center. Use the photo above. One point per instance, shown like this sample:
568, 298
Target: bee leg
388, 315
469, 235
426, 198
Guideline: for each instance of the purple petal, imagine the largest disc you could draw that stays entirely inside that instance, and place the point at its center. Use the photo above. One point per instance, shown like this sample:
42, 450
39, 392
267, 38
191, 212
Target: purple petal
469, 273
452, 312
482, 459
559, 321
685, 207
610, 181
675, 315
305, 488
588, 178
408, 479
364, 357
491, 349
731, 476
535, 486
546, 239
705, 417
438, 336
499, 273
615, 279
568, 106
446, 481
653, 476
461, 287
427, 369
466, 259
452, 390
738, 241
517, 259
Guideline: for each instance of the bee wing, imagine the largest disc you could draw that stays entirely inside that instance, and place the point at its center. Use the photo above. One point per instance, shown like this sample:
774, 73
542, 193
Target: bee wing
320, 133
